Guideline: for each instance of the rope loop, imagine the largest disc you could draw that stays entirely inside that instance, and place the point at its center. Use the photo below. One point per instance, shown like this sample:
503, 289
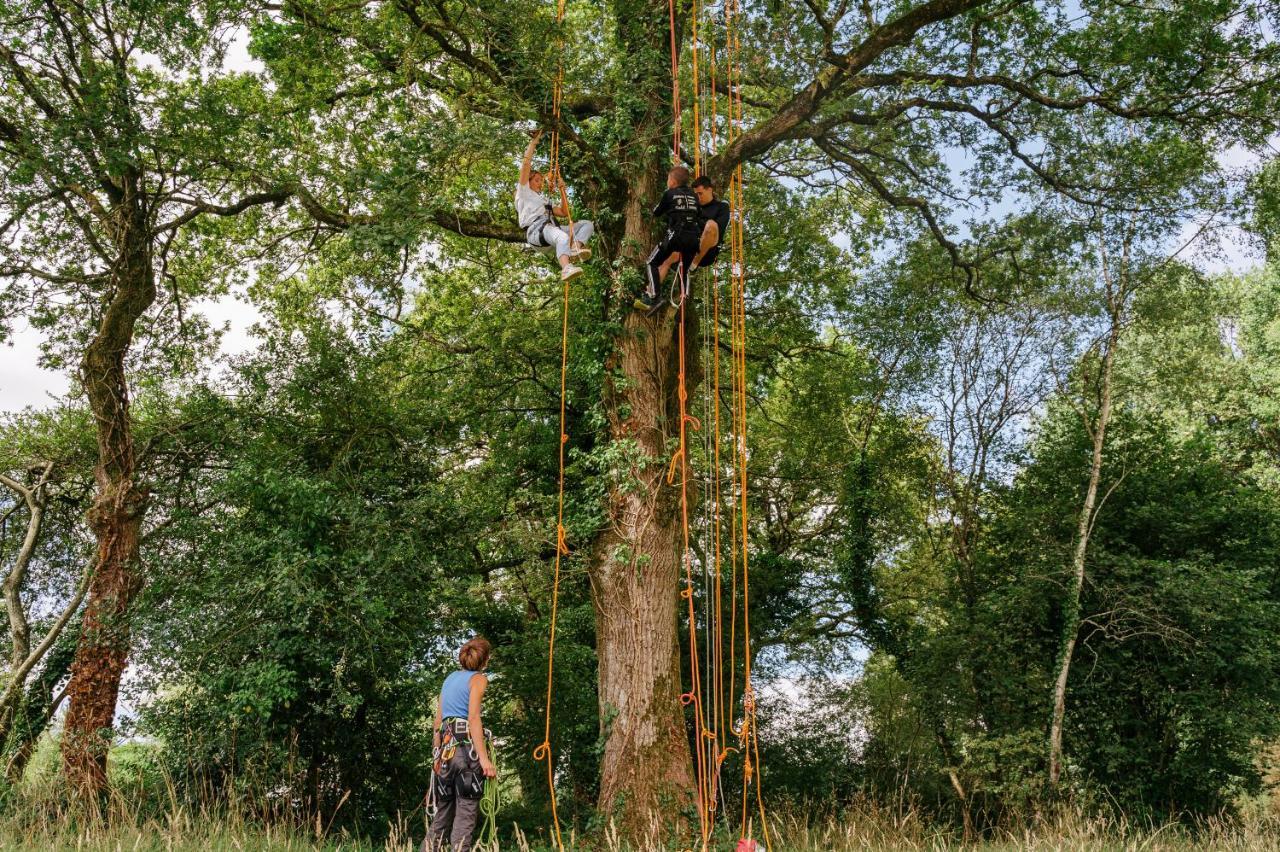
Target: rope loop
671, 469
686, 699
562, 544
543, 751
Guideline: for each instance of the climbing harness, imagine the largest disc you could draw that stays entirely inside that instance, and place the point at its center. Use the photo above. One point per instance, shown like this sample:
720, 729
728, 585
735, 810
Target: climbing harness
449, 782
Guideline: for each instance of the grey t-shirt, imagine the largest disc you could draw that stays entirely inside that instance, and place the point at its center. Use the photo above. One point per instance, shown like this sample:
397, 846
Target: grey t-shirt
531, 207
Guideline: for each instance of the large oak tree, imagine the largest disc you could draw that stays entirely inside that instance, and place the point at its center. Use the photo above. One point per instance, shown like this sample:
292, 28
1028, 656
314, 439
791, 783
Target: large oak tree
419, 102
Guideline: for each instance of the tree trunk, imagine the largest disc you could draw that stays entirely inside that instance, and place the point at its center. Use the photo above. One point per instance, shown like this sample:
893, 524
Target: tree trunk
38, 706
647, 777
116, 514
646, 770
19, 630
1071, 614
646, 767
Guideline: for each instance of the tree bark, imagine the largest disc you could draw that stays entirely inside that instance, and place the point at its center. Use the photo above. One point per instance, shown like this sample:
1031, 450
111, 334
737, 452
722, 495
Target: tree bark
647, 767
118, 506
1071, 614
647, 776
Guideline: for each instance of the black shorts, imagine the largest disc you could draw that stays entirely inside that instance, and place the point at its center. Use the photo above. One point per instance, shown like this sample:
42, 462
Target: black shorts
683, 243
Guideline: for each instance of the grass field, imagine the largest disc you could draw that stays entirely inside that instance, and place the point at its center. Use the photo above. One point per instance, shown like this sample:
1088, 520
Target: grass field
144, 814
182, 831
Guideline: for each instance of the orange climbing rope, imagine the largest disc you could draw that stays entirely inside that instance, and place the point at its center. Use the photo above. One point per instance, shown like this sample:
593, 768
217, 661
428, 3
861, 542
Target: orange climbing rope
543, 751
713, 740
747, 731
695, 695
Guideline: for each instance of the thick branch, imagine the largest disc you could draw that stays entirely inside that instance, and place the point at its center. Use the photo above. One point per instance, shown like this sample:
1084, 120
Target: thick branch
467, 223
805, 103
198, 207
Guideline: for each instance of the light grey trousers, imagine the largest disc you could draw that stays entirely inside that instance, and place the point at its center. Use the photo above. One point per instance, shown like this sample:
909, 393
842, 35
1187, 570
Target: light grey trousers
557, 238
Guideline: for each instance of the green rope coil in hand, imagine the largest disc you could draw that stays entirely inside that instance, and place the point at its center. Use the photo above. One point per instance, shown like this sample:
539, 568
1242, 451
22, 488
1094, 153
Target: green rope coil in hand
489, 805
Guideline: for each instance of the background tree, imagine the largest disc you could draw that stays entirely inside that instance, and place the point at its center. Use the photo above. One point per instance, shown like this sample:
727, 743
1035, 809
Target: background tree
109, 165
46, 477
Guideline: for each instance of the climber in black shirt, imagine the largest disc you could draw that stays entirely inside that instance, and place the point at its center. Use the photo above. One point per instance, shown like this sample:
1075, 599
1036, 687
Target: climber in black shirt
715, 216
715, 225
679, 205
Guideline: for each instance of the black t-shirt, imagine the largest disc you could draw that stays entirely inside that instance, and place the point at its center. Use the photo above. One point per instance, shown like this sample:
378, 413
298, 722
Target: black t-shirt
680, 206
718, 212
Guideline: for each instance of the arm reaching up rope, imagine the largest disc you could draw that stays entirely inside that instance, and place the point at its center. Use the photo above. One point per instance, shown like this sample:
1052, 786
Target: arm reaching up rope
538, 216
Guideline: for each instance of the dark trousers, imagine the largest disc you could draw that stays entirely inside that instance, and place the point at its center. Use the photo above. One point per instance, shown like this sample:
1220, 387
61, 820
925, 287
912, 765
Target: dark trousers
684, 243
457, 787
453, 826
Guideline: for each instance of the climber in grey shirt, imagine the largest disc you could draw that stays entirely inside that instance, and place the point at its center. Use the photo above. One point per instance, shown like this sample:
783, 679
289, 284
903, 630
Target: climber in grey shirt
538, 218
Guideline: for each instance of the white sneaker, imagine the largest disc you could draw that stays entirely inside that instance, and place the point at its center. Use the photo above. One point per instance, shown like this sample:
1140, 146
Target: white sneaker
570, 272
581, 253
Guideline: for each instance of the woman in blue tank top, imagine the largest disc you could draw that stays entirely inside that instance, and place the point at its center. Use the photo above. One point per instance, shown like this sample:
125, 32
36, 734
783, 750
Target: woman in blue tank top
462, 761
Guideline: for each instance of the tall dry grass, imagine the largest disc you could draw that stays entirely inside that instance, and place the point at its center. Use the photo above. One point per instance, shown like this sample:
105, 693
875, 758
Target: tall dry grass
121, 826
146, 812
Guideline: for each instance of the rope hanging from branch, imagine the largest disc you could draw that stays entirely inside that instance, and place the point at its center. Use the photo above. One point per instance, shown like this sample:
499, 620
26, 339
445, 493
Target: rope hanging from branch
543, 751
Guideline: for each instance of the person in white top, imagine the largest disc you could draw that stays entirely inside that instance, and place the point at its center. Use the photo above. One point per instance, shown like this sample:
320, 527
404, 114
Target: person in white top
538, 218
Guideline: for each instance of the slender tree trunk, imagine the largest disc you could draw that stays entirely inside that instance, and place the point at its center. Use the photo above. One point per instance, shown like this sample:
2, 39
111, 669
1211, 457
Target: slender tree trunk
38, 706
19, 630
116, 514
1071, 609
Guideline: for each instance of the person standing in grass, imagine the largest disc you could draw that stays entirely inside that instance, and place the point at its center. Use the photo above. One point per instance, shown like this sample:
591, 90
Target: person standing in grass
461, 753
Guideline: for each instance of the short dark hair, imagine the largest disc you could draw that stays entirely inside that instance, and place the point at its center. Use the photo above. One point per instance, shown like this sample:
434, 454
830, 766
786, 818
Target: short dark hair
703, 180
681, 174
475, 653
